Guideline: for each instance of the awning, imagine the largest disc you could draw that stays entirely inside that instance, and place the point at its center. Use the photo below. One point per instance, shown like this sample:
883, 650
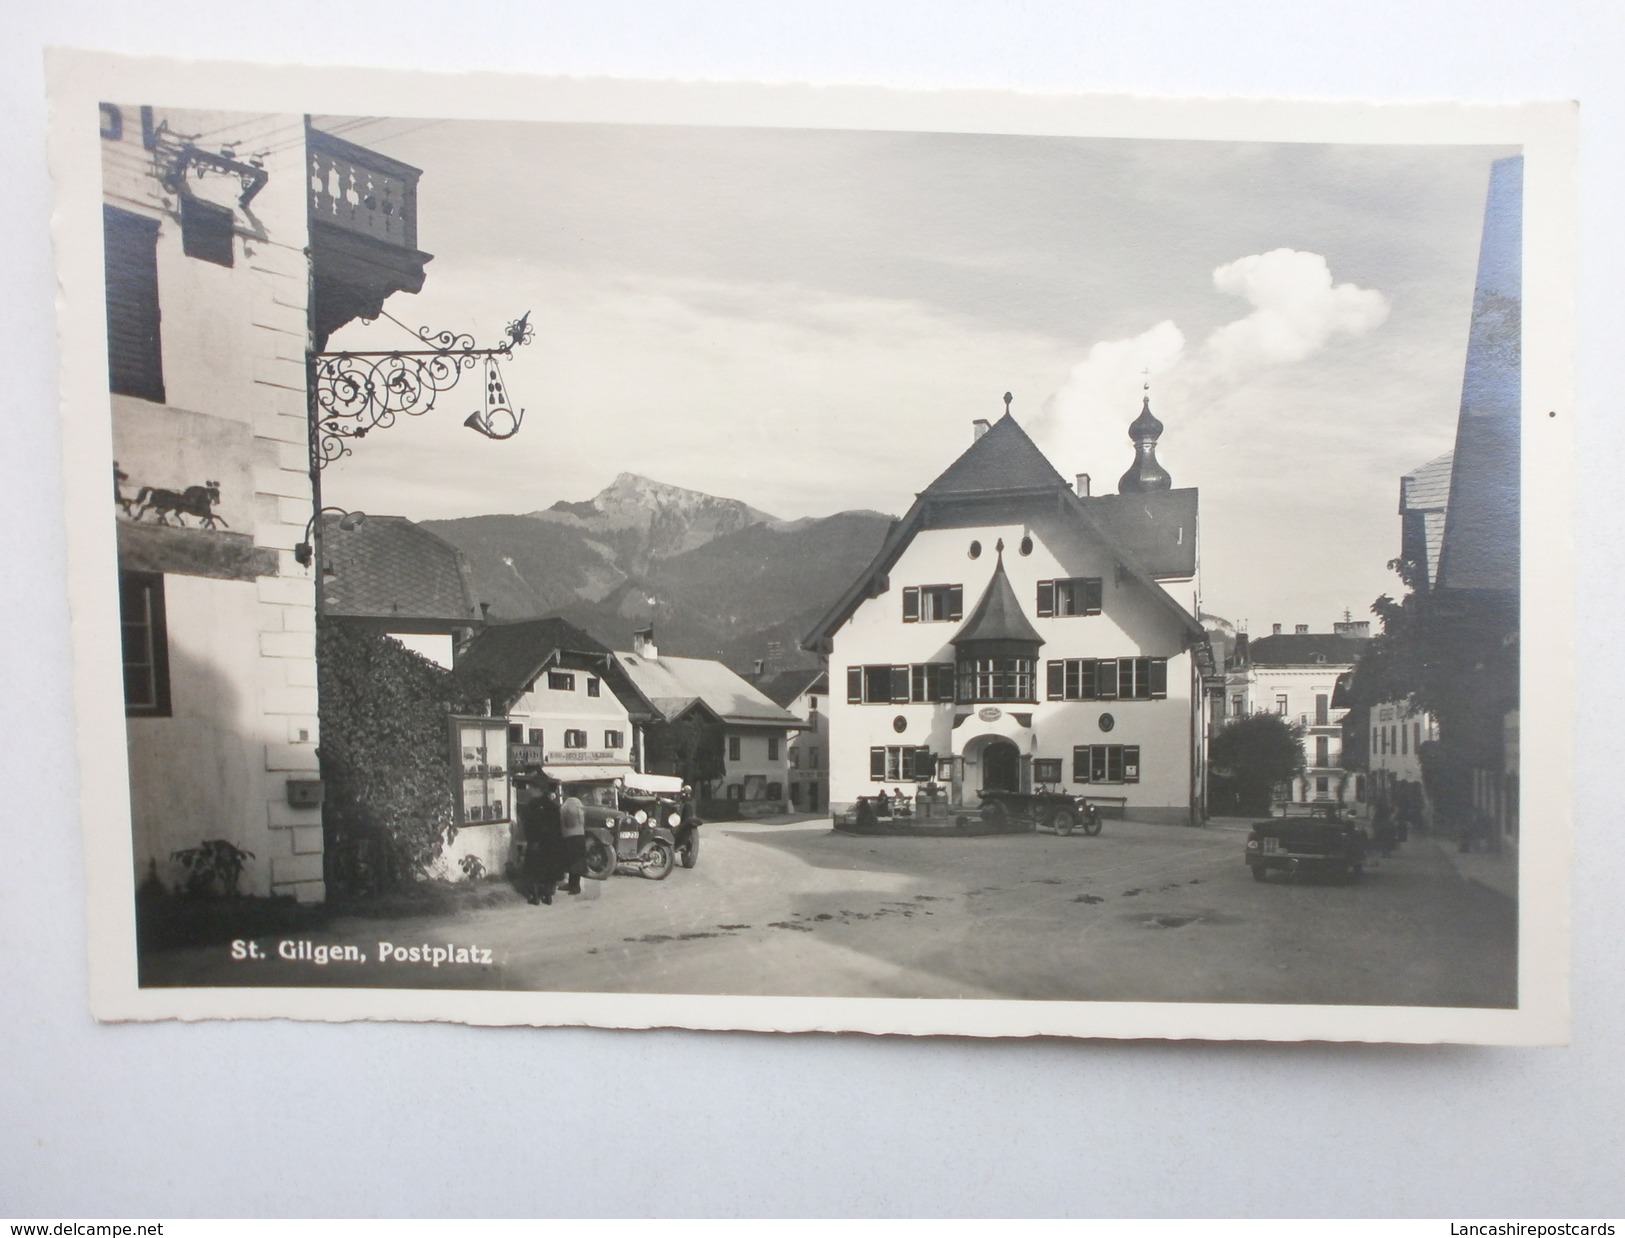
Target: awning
585, 772
654, 784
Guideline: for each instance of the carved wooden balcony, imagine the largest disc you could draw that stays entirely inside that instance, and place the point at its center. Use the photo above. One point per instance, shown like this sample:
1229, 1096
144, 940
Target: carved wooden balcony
363, 231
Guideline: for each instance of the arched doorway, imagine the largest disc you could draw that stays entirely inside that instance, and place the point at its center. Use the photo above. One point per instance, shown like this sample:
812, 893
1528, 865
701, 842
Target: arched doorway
1001, 766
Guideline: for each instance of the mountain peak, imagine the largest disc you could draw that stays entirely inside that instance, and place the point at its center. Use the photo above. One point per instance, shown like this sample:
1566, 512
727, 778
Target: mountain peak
644, 519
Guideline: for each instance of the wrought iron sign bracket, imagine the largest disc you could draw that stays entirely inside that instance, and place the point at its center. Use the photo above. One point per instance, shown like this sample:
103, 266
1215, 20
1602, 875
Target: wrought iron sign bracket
355, 393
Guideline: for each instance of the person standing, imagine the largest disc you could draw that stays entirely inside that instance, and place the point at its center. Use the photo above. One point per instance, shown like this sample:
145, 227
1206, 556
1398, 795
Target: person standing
540, 868
573, 829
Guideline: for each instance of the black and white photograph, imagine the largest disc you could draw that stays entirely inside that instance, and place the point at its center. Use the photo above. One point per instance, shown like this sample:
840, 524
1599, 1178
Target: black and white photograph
573, 569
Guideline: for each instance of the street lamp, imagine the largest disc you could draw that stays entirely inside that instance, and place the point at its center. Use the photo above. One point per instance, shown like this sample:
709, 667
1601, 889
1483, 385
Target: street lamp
305, 551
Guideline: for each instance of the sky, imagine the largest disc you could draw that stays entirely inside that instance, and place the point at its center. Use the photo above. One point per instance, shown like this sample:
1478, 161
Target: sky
810, 321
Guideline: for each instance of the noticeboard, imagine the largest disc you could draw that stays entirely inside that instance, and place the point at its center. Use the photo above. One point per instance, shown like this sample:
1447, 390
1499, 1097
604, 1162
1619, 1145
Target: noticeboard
479, 757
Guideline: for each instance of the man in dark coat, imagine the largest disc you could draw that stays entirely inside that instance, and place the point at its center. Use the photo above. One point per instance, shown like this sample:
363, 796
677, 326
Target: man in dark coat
538, 824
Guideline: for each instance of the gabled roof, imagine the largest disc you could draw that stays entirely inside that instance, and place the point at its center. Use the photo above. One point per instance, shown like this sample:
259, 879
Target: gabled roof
388, 568
507, 657
998, 616
1306, 649
1006, 466
676, 685
782, 687
1003, 459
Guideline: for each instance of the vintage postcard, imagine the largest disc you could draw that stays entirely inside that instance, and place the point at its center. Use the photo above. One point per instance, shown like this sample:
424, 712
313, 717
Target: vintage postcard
788, 558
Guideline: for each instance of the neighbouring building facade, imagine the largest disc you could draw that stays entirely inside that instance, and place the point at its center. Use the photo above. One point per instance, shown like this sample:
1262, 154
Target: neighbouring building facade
804, 693
216, 269
1295, 674
1015, 630
561, 704
755, 732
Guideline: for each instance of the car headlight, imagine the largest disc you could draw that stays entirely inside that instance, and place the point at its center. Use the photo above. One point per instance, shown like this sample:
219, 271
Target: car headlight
640, 817
1252, 844
674, 820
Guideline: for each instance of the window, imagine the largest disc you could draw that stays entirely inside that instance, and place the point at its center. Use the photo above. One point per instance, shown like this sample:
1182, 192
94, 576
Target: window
794, 754
575, 739
996, 679
1236, 706
1079, 595
1404, 741
145, 636
1416, 737
207, 230
1322, 788
772, 747
933, 603
733, 747
592, 685
877, 685
1323, 747
561, 681
534, 737
812, 704
516, 732
1107, 679
812, 758
1106, 763
1280, 704
931, 681
1376, 742
1047, 770
135, 361
906, 764
614, 739
1322, 713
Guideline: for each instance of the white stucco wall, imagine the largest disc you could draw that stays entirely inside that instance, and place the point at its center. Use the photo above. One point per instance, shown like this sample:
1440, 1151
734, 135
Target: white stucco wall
555, 710
243, 665
754, 761
1132, 624
809, 749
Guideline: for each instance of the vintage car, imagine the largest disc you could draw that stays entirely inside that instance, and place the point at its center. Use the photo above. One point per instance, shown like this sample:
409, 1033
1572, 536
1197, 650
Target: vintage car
616, 838
1049, 809
1325, 843
667, 801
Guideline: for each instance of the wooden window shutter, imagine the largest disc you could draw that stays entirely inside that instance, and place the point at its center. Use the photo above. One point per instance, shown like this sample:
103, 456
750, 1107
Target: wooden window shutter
854, 685
1056, 688
925, 765
1080, 764
1046, 599
1131, 763
956, 601
1159, 678
911, 604
1106, 679
877, 765
1093, 593
899, 685
135, 361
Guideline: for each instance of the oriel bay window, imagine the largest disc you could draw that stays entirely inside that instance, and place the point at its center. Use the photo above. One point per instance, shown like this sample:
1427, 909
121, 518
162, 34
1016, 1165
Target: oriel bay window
901, 764
1106, 679
1106, 763
999, 678
933, 603
1077, 595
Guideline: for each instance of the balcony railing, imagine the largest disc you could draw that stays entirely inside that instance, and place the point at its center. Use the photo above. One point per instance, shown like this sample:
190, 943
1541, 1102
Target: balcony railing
362, 191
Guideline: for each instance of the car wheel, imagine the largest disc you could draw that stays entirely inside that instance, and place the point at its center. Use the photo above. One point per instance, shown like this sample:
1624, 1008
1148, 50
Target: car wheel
994, 814
1092, 824
1064, 821
657, 860
688, 852
1259, 872
600, 859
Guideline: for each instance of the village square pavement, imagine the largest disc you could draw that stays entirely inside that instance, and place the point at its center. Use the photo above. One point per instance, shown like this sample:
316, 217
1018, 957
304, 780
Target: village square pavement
1140, 913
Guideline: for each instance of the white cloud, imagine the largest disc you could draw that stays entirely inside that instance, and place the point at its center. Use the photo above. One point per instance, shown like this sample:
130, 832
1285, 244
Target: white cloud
1296, 310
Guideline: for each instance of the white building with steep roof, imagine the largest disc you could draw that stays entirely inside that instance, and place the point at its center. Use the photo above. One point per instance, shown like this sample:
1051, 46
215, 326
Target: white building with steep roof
1015, 631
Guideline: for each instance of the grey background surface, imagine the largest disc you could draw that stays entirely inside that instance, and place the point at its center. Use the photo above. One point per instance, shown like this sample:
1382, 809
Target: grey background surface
278, 1118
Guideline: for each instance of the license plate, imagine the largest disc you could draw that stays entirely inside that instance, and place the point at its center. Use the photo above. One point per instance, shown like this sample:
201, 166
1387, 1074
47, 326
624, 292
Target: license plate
629, 834
1272, 846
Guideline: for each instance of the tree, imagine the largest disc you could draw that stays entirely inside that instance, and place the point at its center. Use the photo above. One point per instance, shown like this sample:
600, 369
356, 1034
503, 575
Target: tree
1250, 756
691, 748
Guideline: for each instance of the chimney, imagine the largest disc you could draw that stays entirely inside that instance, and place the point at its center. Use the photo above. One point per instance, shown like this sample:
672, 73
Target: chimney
1357, 628
1083, 485
1302, 629
643, 643
980, 427
1275, 629
1241, 649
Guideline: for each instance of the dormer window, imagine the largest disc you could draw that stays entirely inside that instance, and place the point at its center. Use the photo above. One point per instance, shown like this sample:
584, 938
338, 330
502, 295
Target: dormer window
933, 603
